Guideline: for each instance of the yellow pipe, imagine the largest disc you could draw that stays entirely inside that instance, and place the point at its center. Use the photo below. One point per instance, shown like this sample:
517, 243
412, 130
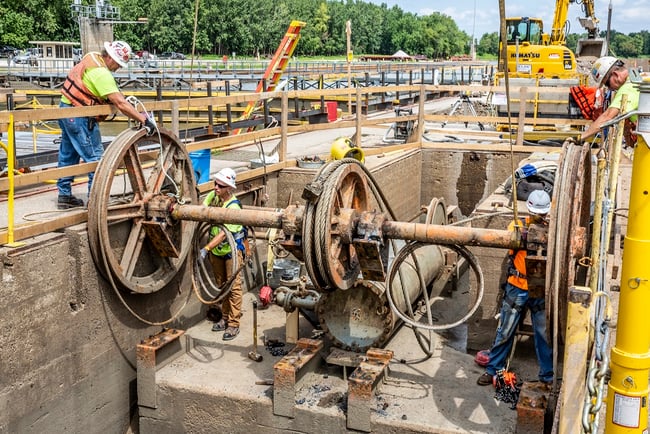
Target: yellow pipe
10, 167
597, 221
627, 395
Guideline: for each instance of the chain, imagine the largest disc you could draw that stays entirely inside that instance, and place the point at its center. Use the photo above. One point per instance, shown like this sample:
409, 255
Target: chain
598, 366
599, 362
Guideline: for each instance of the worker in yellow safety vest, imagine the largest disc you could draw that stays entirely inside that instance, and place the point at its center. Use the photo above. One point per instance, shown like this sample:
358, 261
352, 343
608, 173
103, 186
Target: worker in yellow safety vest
219, 251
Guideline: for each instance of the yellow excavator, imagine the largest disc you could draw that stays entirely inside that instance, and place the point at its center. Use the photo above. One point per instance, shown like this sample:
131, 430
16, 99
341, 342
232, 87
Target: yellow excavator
532, 53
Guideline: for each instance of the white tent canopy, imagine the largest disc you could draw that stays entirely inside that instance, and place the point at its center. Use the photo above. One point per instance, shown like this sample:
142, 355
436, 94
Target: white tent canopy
401, 55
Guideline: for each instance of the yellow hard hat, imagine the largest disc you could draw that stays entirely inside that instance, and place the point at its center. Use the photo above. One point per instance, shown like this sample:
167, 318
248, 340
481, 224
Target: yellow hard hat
343, 147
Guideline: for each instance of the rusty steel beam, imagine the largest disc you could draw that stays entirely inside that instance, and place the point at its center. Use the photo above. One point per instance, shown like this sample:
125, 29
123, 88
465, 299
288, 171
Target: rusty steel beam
288, 373
362, 387
151, 354
531, 407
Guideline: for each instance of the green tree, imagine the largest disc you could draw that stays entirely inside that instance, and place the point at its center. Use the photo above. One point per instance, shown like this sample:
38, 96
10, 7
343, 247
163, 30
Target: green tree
488, 45
627, 46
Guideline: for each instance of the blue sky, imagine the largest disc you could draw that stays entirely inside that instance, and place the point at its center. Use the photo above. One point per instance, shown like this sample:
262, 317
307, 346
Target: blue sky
627, 15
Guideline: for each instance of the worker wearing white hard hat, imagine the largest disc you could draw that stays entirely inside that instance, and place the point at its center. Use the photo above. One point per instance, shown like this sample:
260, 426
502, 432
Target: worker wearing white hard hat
119, 51
611, 72
516, 301
90, 82
220, 253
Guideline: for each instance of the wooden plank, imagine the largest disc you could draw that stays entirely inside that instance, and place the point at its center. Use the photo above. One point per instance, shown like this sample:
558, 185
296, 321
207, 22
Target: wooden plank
488, 147
40, 228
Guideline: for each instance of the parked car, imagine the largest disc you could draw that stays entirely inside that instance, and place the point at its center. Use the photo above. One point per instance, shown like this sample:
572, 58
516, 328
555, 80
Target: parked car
172, 55
8, 51
144, 59
77, 54
28, 57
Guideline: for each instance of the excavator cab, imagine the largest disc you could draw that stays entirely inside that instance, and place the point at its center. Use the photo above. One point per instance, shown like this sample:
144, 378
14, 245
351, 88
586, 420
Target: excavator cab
525, 29
531, 55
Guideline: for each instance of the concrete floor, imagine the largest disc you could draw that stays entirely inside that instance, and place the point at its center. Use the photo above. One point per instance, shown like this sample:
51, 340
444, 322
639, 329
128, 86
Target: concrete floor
214, 377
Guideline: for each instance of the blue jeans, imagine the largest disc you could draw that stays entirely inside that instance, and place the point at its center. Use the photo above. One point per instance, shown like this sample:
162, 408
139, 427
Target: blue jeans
515, 303
80, 140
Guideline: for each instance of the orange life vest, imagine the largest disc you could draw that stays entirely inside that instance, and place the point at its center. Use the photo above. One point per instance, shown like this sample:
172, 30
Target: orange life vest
74, 88
586, 100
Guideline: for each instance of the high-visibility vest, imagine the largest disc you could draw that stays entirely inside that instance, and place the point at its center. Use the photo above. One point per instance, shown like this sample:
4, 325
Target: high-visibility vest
238, 231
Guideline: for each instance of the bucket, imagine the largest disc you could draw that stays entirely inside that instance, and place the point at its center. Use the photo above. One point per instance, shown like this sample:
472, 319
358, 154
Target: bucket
201, 164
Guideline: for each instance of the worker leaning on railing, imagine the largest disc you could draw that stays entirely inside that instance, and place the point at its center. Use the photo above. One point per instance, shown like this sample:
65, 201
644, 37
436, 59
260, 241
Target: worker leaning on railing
90, 82
611, 72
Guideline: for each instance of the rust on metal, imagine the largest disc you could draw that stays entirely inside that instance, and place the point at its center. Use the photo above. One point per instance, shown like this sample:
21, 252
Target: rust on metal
160, 238
441, 234
361, 388
363, 380
531, 407
218, 215
288, 372
146, 350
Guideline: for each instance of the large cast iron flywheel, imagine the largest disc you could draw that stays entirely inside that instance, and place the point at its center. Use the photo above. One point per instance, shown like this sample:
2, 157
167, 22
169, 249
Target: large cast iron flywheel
132, 247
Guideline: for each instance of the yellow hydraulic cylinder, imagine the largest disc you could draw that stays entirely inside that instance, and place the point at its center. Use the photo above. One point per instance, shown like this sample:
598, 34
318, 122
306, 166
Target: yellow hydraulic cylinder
627, 395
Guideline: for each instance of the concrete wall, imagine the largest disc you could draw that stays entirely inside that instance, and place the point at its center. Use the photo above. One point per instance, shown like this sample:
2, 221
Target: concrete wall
468, 179
463, 178
67, 346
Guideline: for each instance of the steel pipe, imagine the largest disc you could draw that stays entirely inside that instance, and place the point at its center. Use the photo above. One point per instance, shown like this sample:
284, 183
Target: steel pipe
217, 215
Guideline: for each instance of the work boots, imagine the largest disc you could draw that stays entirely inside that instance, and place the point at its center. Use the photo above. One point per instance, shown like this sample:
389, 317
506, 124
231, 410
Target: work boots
67, 202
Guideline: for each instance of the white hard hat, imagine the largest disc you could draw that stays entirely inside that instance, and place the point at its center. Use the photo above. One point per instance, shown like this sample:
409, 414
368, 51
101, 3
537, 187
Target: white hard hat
602, 67
539, 202
226, 176
120, 51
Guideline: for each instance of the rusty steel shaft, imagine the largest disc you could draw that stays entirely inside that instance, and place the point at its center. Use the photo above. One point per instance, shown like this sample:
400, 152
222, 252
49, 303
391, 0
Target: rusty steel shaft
246, 217
290, 220
441, 234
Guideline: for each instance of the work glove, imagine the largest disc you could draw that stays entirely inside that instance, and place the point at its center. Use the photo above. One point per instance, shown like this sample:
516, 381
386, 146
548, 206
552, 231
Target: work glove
203, 253
149, 126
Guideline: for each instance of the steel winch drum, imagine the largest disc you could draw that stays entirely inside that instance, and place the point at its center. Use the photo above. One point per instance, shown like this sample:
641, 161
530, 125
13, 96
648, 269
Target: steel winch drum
361, 317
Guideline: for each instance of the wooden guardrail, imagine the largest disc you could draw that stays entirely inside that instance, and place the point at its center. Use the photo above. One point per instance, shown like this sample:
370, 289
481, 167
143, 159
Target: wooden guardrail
358, 121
